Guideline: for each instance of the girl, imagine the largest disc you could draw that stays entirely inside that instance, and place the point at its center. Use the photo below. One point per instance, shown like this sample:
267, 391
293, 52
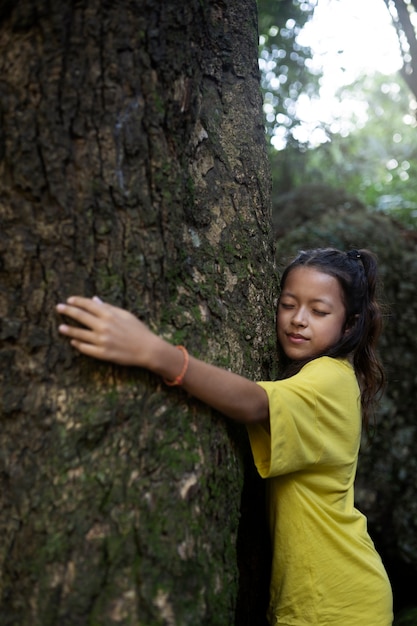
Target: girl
304, 429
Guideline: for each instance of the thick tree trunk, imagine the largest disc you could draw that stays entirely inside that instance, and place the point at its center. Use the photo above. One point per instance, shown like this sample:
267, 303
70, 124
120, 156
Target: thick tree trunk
133, 166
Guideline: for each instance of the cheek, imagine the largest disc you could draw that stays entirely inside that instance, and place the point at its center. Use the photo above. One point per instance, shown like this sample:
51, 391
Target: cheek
280, 320
280, 327
339, 331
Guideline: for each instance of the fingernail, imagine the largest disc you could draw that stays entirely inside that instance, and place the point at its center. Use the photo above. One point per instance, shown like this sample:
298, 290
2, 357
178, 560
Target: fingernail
60, 307
97, 299
62, 328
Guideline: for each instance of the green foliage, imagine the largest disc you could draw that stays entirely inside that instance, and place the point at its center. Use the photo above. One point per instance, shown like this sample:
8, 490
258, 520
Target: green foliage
372, 155
284, 63
407, 617
375, 160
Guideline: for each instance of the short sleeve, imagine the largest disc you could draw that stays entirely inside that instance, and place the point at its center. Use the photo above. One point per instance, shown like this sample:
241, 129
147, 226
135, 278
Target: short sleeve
315, 418
295, 441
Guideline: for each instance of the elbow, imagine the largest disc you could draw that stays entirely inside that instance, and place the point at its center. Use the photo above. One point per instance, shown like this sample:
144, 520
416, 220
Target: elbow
258, 412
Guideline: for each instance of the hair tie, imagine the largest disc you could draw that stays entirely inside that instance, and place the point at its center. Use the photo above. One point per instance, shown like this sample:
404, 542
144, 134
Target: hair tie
354, 254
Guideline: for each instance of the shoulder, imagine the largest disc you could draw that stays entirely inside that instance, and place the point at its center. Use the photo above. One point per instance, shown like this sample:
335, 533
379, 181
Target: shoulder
328, 366
323, 376
327, 374
334, 385
317, 369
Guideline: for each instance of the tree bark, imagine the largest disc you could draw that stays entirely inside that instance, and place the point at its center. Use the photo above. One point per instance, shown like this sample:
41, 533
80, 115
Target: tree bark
132, 166
406, 34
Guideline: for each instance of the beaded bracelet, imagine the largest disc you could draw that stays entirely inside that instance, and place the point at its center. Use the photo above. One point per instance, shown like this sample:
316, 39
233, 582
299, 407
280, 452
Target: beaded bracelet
180, 378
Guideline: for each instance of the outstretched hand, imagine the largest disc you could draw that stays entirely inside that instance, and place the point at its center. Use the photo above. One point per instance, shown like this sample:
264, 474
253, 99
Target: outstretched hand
109, 333
112, 334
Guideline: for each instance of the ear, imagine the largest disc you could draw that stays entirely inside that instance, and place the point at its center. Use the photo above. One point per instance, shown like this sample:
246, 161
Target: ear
350, 324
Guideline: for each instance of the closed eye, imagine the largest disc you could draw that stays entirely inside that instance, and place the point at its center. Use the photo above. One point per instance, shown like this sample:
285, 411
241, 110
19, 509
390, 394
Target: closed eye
320, 313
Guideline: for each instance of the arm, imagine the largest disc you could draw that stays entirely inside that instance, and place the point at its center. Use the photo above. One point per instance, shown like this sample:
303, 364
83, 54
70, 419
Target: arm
113, 334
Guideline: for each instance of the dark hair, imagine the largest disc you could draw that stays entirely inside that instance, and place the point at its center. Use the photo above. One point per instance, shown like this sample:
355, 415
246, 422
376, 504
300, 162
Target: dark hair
356, 272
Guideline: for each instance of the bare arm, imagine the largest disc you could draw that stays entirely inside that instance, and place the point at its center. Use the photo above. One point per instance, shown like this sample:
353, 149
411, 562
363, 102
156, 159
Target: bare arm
113, 334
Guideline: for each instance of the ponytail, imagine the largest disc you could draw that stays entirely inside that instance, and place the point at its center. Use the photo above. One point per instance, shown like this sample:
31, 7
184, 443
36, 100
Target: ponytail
367, 365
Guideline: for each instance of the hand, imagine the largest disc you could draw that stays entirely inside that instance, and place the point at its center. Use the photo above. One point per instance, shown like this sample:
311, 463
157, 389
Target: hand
113, 334
110, 333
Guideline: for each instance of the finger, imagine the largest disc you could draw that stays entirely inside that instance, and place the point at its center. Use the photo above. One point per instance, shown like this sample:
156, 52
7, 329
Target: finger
92, 305
81, 315
89, 349
80, 334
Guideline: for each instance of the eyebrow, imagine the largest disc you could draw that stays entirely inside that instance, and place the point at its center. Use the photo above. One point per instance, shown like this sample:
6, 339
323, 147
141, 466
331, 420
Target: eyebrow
321, 300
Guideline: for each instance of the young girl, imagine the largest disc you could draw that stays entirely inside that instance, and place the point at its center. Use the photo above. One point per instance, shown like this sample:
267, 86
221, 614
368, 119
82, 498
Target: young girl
304, 429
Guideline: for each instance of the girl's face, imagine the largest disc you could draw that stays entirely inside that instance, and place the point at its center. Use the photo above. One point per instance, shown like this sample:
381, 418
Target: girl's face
311, 314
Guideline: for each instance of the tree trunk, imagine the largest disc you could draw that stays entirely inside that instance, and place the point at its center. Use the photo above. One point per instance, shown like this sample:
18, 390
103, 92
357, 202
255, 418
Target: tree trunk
133, 166
404, 24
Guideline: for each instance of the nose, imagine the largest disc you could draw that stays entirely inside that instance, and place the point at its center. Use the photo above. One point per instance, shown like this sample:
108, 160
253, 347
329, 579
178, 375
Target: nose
299, 318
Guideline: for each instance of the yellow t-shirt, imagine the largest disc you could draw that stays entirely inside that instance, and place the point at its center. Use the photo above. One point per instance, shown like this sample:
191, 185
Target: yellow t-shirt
325, 569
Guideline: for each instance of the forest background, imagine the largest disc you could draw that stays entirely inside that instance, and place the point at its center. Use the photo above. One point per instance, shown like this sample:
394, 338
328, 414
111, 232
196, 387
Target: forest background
370, 154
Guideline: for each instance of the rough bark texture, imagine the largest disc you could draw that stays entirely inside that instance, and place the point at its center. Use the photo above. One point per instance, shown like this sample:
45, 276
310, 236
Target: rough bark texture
132, 166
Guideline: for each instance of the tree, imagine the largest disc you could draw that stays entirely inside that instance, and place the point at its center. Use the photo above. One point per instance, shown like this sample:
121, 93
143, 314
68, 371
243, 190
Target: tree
403, 15
284, 63
133, 166
373, 159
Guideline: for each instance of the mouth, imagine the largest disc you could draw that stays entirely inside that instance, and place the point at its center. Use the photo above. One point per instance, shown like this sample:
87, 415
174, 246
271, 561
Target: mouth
296, 338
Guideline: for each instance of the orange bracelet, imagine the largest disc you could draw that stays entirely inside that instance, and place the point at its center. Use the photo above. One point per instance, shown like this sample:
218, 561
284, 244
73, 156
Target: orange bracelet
180, 378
